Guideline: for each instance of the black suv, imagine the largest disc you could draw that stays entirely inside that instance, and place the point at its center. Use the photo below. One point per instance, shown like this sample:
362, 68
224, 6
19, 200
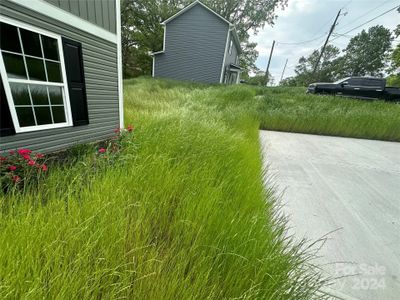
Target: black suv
358, 87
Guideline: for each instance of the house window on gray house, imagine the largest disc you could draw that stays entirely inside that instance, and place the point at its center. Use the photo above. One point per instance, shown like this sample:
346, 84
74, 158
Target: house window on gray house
230, 47
31, 64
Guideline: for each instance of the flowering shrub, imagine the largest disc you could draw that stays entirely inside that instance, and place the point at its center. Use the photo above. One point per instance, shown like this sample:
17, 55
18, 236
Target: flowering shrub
114, 146
21, 167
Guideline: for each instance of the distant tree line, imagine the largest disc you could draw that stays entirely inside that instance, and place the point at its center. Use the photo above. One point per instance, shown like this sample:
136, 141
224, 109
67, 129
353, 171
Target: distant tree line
369, 53
142, 32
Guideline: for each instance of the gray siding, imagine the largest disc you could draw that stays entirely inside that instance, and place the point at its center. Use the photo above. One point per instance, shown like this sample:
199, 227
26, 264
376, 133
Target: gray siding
99, 12
100, 66
194, 49
230, 58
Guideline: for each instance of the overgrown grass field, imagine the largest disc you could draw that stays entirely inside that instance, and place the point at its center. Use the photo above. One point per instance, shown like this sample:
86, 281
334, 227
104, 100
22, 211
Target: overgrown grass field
290, 109
183, 216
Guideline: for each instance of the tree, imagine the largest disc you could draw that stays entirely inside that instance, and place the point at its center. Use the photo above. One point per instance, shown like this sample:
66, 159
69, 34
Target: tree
247, 15
395, 56
142, 32
260, 79
289, 81
368, 52
327, 68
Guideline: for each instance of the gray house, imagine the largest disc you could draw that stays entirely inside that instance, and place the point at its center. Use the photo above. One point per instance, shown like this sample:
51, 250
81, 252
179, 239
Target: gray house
61, 72
199, 45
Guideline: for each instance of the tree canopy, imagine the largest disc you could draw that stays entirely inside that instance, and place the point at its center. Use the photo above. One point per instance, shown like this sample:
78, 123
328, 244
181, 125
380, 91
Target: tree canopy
367, 53
142, 32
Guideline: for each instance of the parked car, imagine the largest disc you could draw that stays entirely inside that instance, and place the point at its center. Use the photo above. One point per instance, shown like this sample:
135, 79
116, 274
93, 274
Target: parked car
357, 87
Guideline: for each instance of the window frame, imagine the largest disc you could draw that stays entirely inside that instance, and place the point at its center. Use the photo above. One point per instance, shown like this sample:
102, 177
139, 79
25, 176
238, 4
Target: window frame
64, 84
230, 47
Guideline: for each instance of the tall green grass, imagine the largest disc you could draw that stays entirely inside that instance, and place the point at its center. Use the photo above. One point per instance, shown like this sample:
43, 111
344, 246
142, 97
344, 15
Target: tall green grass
185, 217
290, 109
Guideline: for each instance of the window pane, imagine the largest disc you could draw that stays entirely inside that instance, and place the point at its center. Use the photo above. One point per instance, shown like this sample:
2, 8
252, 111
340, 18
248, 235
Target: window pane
53, 71
20, 94
31, 43
25, 116
35, 69
58, 114
9, 39
14, 65
50, 47
43, 115
55, 93
39, 94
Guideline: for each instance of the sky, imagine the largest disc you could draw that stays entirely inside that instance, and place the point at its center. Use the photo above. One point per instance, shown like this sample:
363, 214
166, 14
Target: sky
305, 20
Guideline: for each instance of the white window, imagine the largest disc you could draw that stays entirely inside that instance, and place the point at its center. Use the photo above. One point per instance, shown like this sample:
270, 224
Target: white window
230, 47
33, 72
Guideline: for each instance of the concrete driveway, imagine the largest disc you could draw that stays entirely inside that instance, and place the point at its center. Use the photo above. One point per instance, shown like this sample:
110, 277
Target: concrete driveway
349, 189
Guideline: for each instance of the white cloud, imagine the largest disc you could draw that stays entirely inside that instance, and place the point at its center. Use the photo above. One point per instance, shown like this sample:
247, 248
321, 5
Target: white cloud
309, 19
298, 7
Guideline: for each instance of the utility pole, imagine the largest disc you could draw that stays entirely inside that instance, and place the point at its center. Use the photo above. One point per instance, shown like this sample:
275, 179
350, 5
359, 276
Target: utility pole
269, 61
283, 72
326, 42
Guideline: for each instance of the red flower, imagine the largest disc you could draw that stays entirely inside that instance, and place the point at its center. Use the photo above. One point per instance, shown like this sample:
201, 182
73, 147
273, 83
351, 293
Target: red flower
39, 155
12, 168
26, 156
44, 168
31, 162
2, 158
16, 179
24, 151
117, 130
102, 150
130, 128
12, 152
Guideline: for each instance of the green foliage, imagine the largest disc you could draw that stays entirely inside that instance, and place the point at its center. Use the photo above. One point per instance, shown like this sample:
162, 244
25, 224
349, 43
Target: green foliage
185, 217
291, 81
367, 53
259, 79
395, 57
290, 109
326, 70
393, 80
21, 169
142, 32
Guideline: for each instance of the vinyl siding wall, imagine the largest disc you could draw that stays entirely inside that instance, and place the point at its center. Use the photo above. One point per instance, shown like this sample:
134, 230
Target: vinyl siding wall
99, 12
100, 67
230, 58
194, 49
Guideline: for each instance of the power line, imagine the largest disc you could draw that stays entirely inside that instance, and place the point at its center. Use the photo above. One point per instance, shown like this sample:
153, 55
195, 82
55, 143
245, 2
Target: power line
302, 42
347, 4
384, 13
363, 15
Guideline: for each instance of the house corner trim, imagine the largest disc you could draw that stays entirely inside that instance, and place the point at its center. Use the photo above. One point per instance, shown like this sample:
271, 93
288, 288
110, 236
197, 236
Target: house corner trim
223, 61
119, 64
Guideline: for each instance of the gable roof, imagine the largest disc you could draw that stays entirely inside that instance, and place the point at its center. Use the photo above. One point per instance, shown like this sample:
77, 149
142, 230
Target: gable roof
197, 2
190, 6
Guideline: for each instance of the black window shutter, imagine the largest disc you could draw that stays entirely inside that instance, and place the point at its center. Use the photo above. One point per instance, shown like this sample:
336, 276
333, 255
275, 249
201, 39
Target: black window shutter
6, 123
76, 81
